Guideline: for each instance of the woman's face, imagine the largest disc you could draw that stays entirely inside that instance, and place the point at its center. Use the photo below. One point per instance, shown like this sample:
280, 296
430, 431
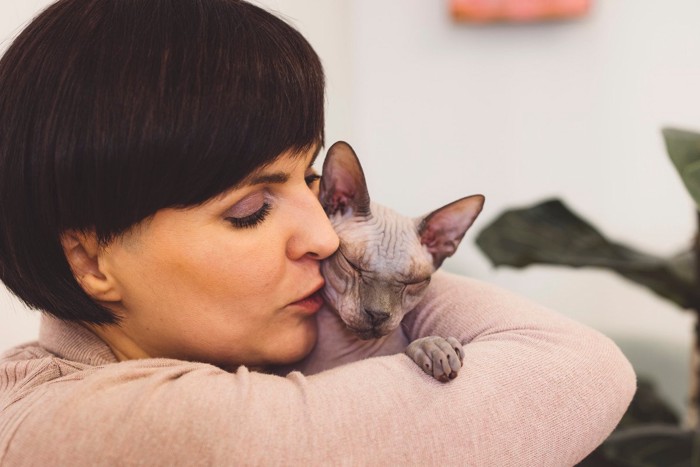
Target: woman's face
229, 282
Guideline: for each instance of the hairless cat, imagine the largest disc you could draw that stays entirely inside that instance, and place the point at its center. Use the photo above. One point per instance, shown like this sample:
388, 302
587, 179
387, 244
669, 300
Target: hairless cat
385, 260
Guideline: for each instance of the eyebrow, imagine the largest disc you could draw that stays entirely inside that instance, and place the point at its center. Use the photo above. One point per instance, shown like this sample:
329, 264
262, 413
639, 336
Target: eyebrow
278, 177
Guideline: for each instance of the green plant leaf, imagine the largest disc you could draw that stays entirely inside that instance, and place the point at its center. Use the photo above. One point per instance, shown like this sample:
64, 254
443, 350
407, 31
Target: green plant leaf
550, 233
647, 407
684, 150
641, 446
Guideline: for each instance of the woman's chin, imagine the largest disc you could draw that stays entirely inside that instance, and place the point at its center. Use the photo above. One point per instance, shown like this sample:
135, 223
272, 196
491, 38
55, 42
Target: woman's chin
285, 350
296, 347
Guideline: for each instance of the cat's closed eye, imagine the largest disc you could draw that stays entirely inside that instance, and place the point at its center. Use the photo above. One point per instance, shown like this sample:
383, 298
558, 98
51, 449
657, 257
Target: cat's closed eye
350, 263
417, 287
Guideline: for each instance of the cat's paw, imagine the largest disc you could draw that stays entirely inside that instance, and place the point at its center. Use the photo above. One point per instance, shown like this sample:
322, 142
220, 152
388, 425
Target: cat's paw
439, 357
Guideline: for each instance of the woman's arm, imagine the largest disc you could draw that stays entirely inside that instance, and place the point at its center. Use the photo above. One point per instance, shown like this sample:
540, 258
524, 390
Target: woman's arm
519, 356
536, 389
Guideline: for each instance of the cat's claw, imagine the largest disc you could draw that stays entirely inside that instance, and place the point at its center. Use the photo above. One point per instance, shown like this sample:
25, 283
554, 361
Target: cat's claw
439, 357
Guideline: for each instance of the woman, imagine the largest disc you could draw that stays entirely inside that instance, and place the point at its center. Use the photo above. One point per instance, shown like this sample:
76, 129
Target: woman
159, 206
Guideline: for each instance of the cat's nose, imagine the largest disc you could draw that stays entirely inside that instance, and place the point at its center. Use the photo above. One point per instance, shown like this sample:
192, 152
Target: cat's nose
377, 317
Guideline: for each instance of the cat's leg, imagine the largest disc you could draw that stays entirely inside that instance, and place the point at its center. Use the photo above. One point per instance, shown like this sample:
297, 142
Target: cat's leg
439, 357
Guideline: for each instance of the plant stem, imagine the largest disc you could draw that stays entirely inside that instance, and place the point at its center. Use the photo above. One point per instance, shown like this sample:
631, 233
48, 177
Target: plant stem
694, 403
692, 419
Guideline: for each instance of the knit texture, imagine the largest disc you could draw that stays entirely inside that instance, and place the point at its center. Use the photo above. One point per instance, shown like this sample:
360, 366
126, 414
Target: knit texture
536, 389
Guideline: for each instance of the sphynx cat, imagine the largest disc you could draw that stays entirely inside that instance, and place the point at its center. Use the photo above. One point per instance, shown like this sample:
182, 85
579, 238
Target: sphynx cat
383, 266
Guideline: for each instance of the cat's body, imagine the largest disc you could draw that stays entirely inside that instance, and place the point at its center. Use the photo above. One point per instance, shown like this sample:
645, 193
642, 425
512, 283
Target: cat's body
384, 263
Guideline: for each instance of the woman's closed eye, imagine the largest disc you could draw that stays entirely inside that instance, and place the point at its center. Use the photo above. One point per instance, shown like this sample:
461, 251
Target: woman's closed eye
253, 209
249, 212
312, 178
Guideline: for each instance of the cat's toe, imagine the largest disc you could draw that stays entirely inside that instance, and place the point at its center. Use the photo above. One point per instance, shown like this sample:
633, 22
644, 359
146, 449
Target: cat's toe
438, 357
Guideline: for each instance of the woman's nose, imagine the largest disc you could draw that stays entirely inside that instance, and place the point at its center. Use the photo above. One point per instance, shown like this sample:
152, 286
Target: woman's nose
314, 235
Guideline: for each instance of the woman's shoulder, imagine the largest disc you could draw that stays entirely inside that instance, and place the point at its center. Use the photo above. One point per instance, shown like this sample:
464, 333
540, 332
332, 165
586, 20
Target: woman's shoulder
68, 358
25, 365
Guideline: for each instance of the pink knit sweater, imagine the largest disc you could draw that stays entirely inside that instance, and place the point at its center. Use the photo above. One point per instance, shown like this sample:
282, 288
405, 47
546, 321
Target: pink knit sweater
536, 389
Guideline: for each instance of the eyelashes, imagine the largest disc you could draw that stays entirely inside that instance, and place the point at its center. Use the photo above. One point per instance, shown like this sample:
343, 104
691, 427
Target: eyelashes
312, 178
261, 214
252, 220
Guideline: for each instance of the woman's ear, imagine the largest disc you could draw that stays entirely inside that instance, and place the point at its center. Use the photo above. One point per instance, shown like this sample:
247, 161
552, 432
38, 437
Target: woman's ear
82, 251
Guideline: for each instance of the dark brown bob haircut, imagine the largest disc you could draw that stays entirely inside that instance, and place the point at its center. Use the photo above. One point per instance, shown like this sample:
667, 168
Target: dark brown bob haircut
111, 110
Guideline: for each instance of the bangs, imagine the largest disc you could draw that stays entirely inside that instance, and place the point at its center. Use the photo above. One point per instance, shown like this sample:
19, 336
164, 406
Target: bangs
173, 102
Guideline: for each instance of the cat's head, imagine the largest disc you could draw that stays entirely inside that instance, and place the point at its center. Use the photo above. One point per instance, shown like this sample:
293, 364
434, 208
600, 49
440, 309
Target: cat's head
384, 263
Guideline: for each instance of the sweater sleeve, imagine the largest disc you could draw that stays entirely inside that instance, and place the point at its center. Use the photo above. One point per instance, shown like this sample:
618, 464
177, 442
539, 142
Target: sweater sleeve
536, 389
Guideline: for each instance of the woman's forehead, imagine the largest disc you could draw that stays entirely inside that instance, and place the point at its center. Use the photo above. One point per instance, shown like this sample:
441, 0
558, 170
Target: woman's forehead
285, 163
279, 170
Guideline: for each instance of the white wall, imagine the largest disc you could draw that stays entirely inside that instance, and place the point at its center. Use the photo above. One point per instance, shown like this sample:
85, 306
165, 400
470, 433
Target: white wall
520, 113
438, 110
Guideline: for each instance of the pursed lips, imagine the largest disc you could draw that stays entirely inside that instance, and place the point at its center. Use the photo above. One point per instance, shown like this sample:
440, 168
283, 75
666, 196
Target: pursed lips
308, 295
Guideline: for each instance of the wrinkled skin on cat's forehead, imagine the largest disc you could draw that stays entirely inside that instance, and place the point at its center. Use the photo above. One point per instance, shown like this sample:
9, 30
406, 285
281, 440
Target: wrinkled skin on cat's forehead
379, 273
383, 266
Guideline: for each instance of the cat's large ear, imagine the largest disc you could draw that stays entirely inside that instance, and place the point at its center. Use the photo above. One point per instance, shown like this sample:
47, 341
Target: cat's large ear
443, 229
343, 185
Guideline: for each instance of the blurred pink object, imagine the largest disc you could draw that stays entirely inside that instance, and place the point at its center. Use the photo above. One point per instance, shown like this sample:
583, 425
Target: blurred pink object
517, 10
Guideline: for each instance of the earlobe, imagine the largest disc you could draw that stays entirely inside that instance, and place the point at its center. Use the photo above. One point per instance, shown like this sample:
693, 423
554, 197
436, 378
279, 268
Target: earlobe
82, 251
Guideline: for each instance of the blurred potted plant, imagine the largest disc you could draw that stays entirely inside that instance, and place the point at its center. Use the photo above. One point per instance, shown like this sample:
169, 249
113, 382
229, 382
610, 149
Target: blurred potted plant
550, 233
